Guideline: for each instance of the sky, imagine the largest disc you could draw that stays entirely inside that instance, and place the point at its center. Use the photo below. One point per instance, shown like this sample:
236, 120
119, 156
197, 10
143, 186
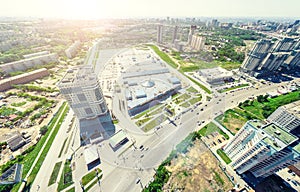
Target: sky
94, 9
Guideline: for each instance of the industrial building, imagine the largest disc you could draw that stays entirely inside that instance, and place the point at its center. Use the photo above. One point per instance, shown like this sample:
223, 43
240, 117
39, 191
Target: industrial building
262, 149
81, 88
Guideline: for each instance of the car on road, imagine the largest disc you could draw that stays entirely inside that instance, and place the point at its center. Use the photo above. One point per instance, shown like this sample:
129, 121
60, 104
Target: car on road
137, 180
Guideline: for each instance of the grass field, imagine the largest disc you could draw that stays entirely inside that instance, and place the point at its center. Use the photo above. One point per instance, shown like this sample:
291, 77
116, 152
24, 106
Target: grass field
164, 56
66, 177
223, 155
54, 173
210, 128
232, 120
90, 176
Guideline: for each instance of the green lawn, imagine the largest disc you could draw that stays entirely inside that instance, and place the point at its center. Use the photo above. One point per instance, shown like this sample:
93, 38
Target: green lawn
210, 128
182, 98
90, 176
62, 148
223, 155
54, 173
66, 177
185, 104
192, 90
200, 85
164, 56
263, 110
18, 104
195, 100
155, 122
232, 119
232, 88
146, 111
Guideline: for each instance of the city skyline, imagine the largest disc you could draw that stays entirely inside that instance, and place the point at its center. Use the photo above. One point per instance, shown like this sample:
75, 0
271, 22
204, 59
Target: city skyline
95, 9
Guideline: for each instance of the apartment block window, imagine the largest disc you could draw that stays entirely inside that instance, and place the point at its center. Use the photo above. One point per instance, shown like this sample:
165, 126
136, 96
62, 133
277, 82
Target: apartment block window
88, 111
81, 97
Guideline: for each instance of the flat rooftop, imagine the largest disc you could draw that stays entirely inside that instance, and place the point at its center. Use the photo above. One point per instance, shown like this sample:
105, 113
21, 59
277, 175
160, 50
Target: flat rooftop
217, 72
117, 138
293, 108
146, 78
79, 74
280, 134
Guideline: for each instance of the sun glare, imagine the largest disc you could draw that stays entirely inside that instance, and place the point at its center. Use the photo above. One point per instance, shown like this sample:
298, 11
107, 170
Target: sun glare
85, 9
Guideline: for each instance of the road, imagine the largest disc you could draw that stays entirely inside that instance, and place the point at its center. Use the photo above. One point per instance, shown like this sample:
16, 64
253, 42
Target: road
42, 178
161, 142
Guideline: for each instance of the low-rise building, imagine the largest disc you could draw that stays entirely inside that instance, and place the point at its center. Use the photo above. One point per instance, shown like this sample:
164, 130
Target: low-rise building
23, 78
31, 62
16, 141
216, 76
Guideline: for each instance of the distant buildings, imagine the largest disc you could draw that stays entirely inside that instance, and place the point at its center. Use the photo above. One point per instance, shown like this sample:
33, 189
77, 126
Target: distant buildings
262, 149
268, 56
197, 42
72, 50
174, 34
191, 33
159, 33
81, 88
23, 78
33, 60
287, 116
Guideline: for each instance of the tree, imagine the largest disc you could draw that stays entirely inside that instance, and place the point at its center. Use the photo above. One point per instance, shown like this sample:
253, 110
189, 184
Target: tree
43, 130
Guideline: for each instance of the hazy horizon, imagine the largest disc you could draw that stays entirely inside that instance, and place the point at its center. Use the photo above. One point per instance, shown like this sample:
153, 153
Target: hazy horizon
97, 9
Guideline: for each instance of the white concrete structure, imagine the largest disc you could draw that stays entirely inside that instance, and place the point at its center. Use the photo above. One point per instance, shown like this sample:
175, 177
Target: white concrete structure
287, 116
215, 76
262, 149
81, 88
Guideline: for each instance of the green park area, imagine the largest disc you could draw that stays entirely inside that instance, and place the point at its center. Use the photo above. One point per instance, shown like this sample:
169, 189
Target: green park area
259, 108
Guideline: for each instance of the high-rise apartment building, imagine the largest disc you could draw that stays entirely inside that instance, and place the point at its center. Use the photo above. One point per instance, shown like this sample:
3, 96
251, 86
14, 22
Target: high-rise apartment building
256, 55
174, 34
191, 33
287, 116
197, 42
81, 88
268, 56
262, 149
159, 33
